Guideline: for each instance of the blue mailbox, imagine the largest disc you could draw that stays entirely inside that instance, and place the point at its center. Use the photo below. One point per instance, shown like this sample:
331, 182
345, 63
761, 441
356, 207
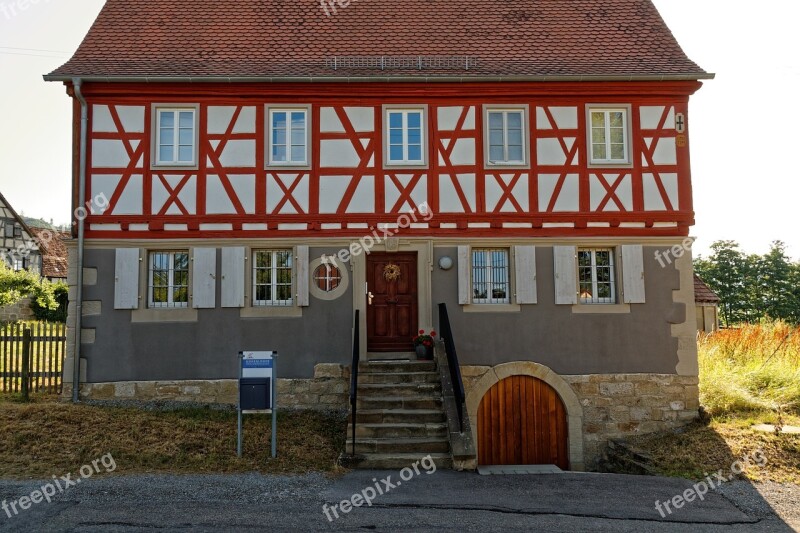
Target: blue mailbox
257, 391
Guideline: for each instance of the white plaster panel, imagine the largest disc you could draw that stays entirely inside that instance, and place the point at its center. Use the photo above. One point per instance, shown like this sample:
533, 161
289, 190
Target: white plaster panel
568, 199
650, 116
623, 192
245, 187
542, 122
101, 119
463, 152
275, 193
652, 196
361, 118
109, 153
566, 117
666, 152
131, 117
104, 184
447, 117
329, 121
331, 192
419, 195
246, 123
219, 118
130, 201
338, 153
364, 198
217, 200
494, 192
239, 153
549, 152
449, 201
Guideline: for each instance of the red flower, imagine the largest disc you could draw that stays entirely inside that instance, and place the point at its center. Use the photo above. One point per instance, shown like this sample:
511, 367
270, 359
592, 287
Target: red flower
433, 333
422, 332
427, 343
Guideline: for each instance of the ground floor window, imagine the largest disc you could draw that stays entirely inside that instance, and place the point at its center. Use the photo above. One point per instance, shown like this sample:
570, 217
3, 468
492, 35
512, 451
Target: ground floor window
168, 285
490, 276
272, 277
596, 276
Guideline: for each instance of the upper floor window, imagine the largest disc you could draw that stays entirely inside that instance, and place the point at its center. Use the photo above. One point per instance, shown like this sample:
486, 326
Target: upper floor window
490, 276
609, 135
272, 277
506, 136
405, 137
596, 283
9, 230
288, 137
168, 279
176, 136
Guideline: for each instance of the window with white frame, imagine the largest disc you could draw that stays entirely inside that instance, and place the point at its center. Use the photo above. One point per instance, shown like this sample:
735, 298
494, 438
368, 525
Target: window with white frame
176, 136
491, 276
596, 277
506, 136
288, 137
609, 135
272, 277
9, 230
168, 279
405, 136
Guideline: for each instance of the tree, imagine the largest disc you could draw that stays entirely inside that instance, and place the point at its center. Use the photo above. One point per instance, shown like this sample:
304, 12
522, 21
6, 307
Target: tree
16, 285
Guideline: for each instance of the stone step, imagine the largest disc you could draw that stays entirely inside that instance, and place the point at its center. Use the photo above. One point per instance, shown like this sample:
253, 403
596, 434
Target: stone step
424, 445
398, 461
397, 377
398, 430
395, 416
400, 389
397, 366
398, 402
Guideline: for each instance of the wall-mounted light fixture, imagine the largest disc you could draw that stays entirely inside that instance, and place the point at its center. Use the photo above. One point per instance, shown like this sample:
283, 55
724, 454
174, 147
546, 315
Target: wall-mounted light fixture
445, 263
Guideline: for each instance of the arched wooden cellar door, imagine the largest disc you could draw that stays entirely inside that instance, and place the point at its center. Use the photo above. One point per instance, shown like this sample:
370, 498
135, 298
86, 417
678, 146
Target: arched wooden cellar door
522, 421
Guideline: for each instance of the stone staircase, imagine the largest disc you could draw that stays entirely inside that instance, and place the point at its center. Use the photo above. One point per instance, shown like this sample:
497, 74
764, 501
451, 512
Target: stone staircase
400, 417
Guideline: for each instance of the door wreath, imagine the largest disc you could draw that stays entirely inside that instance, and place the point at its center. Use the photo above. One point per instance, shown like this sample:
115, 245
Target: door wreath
391, 272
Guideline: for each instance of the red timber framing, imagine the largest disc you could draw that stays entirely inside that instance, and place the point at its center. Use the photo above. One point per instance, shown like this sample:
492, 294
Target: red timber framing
559, 194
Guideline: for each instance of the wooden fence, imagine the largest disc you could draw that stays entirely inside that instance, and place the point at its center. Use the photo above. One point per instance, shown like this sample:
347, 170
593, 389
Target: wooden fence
33, 349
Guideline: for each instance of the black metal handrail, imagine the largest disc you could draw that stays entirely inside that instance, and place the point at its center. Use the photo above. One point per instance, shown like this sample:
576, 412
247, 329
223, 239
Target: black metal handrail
446, 333
354, 376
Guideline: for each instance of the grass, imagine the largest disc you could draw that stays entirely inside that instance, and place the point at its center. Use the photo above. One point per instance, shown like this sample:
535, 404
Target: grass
48, 437
46, 355
748, 376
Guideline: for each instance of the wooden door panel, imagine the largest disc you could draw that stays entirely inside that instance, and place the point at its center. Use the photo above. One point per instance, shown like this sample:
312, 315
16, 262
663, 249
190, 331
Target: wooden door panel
522, 420
392, 316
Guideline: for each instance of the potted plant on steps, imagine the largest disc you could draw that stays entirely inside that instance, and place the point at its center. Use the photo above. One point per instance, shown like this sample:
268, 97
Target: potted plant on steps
423, 344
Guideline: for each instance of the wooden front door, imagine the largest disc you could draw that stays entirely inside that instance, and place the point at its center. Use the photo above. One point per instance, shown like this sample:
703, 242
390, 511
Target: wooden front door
392, 301
522, 421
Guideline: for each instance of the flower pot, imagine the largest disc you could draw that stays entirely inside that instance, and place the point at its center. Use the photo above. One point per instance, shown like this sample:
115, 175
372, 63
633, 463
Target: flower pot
424, 352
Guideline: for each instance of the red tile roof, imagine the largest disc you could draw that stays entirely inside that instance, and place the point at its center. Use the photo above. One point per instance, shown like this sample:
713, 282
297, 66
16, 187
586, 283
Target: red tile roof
595, 39
702, 293
54, 252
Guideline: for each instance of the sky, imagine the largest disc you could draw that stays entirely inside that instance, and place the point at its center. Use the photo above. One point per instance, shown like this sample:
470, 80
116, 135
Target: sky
743, 126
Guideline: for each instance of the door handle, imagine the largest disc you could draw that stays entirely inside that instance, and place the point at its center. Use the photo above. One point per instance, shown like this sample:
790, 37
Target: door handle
370, 296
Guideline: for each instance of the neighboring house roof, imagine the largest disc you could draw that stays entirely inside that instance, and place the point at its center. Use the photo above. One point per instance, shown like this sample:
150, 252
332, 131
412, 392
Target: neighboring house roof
260, 39
54, 252
702, 294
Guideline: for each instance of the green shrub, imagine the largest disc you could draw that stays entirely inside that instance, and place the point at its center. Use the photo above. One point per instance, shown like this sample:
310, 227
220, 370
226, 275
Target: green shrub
60, 292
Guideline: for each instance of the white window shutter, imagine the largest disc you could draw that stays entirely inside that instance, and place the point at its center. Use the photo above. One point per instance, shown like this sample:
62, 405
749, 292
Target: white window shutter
566, 275
204, 278
126, 278
233, 273
525, 274
464, 264
633, 274
302, 276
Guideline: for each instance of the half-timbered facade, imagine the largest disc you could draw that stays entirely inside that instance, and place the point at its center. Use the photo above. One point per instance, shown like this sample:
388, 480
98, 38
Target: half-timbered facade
539, 185
19, 247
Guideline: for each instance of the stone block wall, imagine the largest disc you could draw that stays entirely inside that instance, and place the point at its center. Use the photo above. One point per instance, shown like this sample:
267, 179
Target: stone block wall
18, 311
328, 390
619, 405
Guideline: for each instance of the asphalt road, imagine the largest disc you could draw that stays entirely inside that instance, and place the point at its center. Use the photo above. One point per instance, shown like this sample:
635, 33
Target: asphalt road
442, 500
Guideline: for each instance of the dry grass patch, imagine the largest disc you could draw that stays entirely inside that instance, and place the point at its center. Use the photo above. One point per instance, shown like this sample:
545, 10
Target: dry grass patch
47, 437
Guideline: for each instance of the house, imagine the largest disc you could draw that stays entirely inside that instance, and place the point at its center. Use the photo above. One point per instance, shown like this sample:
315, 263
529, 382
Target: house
19, 248
524, 163
53, 253
706, 307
